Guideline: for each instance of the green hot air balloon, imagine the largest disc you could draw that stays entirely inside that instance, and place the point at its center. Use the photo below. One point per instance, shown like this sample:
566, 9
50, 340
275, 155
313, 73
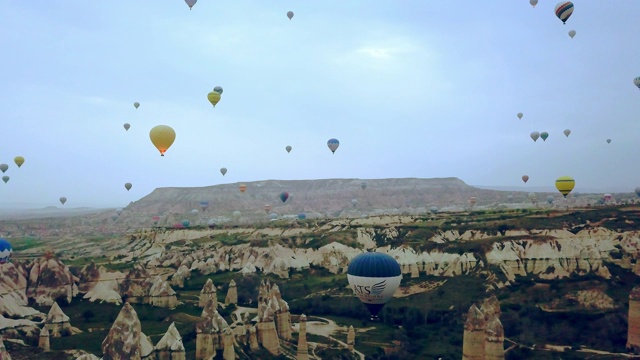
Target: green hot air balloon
544, 135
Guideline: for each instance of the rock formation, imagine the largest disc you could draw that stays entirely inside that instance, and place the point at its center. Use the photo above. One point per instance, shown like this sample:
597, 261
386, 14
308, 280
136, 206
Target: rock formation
494, 345
267, 334
87, 357
88, 277
351, 338
253, 338
633, 334
474, 335
4, 354
180, 276
209, 330
57, 323
106, 288
232, 294
162, 295
170, 346
147, 350
229, 352
13, 295
43, 340
303, 348
208, 292
123, 340
490, 308
51, 280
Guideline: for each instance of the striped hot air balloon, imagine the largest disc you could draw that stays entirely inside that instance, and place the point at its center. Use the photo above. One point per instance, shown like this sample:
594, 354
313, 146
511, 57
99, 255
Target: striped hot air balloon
563, 10
565, 184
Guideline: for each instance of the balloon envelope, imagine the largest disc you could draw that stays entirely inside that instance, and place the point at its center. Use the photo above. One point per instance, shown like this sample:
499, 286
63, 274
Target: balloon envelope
190, 3
126, 126
374, 277
533, 2
363, 185
544, 135
302, 216
63, 200
5, 251
242, 188
162, 137
567, 132
127, 186
119, 211
223, 171
637, 190
565, 184
4, 167
155, 219
284, 196
563, 10
136, 104
572, 33
267, 208
218, 89
333, 145
608, 141
520, 115
185, 223
5, 179
525, 178
214, 98
288, 148
433, 209
535, 135
290, 14
636, 82
19, 160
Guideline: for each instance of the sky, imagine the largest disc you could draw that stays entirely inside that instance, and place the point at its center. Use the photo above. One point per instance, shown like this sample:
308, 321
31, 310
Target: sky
410, 88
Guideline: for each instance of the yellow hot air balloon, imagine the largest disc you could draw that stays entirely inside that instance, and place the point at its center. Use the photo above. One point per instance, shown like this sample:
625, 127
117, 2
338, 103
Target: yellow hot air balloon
162, 136
565, 184
213, 97
19, 160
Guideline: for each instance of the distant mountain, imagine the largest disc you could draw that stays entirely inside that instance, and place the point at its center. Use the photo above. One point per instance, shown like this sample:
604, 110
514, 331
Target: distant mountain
552, 189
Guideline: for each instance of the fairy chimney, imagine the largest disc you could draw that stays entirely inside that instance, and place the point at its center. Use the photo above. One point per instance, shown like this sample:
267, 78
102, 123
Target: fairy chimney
474, 336
162, 295
123, 340
351, 338
43, 341
253, 338
164, 347
267, 334
494, 345
208, 292
57, 323
490, 307
232, 294
229, 352
303, 348
4, 355
633, 335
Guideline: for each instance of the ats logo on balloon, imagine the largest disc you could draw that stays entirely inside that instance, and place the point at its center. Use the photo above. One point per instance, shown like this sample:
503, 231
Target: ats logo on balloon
370, 292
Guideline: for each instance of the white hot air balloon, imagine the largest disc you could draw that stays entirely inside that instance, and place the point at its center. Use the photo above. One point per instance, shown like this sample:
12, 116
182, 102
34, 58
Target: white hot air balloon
572, 33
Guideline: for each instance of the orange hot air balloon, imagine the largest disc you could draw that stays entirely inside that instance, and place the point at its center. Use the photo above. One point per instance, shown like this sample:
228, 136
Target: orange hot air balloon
242, 188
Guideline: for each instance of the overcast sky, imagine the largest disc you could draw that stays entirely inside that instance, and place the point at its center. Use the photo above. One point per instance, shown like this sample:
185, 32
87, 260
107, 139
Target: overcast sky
411, 88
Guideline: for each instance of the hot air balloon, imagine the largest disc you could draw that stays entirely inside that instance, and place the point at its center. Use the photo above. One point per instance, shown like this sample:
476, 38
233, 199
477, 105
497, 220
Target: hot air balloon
434, 209
5, 179
636, 82
608, 141
214, 98
223, 171
354, 202
290, 14
155, 219
211, 223
637, 190
544, 135
525, 178
4, 167
5, 251
363, 185
535, 135
185, 223
218, 89
237, 214
114, 217
567, 132
162, 136
550, 199
563, 10
190, 3
533, 197
333, 145
63, 200
19, 160
509, 197
194, 211
572, 33
374, 277
473, 200
204, 205
242, 188
119, 211
273, 216
126, 126
302, 216
284, 196
288, 148
607, 197
127, 186
267, 208
136, 104
520, 115
565, 184
533, 3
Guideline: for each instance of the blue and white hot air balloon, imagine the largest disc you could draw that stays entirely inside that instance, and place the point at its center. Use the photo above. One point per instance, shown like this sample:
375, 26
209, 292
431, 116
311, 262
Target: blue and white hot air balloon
5, 251
333, 145
374, 277
563, 10
204, 205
